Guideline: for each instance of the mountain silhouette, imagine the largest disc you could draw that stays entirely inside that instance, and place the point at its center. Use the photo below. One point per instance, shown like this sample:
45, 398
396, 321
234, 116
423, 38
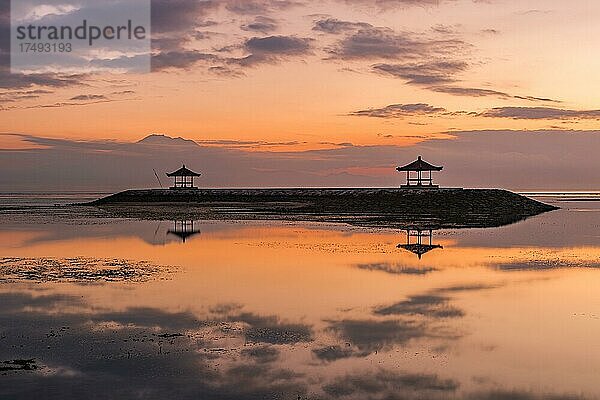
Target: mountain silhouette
164, 140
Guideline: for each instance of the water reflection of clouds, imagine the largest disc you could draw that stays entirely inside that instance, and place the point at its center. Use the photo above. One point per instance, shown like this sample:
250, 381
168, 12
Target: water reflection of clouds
545, 264
128, 349
429, 305
368, 336
387, 384
81, 350
231, 351
420, 316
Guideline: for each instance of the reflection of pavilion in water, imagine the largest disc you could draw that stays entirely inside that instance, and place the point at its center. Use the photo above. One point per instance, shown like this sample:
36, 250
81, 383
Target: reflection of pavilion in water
419, 241
183, 229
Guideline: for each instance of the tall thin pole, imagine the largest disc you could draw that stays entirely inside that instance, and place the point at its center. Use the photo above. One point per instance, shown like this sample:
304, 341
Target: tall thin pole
155, 174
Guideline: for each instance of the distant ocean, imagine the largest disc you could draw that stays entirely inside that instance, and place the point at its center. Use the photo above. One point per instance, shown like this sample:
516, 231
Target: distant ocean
46, 199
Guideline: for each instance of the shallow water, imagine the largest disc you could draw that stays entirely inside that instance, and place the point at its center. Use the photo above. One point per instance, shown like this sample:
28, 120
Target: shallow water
117, 308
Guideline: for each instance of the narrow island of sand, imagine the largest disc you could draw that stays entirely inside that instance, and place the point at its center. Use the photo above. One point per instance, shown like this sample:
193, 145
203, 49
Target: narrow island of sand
417, 203
365, 207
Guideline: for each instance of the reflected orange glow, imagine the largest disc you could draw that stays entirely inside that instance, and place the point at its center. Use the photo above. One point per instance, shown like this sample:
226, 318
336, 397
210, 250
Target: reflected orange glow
475, 307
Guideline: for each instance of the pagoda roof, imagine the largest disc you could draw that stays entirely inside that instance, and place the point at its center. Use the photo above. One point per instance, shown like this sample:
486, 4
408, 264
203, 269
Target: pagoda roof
183, 235
419, 249
183, 171
419, 165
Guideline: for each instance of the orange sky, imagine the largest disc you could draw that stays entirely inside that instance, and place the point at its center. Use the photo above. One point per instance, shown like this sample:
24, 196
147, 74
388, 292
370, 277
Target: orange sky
320, 93
543, 49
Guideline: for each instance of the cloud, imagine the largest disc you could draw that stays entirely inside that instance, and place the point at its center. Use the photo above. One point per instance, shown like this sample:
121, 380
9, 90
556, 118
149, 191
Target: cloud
180, 25
174, 42
79, 100
446, 29
387, 4
278, 45
533, 98
253, 144
4, 36
272, 49
477, 92
399, 111
175, 25
524, 113
441, 72
531, 160
540, 113
10, 80
180, 59
336, 26
428, 73
224, 71
257, 7
490, 31
261, 24
88, 97
170, 16
469, 92
17, 95
383, 43
16, 81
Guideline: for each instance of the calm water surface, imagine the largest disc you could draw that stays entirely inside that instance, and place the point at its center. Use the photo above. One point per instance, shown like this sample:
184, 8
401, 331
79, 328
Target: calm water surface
92, 307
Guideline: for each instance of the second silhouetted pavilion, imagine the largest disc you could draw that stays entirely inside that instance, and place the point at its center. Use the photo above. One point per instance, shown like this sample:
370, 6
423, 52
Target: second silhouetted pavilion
421, 180
184, 178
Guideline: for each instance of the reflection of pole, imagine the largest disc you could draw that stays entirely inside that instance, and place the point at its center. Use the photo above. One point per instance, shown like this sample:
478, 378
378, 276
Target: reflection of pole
157, 228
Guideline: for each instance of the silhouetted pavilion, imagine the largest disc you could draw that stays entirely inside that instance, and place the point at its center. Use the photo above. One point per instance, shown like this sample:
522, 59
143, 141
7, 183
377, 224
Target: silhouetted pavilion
423, 241
184, 178
422, 180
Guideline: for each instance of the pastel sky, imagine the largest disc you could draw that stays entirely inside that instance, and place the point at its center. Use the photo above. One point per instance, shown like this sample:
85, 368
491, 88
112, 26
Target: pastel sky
288, 79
